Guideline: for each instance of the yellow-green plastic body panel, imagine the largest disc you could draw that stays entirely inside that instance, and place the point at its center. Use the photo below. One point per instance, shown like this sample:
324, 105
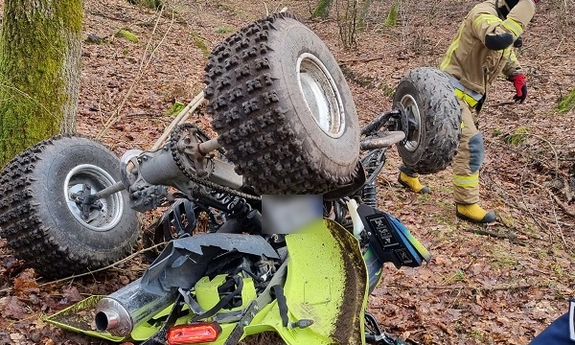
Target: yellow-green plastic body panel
79, 318
326, 282
208, 296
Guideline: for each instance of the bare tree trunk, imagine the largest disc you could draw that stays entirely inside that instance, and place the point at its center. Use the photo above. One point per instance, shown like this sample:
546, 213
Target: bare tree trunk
40, 47
346, 11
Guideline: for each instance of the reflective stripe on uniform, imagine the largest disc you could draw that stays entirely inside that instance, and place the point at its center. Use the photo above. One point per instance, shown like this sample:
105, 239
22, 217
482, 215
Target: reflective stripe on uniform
509, 23
466, 181
487, 19
466, 98
469, 96
513, 26
452, 48
512, 56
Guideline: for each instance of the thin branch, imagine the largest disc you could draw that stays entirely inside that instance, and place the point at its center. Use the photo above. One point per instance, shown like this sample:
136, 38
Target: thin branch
511, 237
182, 117
515, 203
564, 207
555, 154
144, 63
128, 258
556, 172
551, 195
369, 59
505, 287
531, 213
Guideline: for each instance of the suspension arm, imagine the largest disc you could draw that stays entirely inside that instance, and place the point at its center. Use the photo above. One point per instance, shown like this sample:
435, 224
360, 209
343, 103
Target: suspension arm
375, 124
384, 140
106, 192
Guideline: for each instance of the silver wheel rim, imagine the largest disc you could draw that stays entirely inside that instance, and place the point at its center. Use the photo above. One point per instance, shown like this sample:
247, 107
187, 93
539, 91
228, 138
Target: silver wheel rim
321, 95
413, 118
98, 179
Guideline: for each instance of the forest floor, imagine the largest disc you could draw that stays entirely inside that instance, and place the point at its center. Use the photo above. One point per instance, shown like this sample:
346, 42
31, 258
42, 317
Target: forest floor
496, 284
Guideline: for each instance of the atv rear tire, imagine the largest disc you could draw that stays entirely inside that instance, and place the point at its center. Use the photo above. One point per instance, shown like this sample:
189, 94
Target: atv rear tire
432, 114
282, 108
43, 225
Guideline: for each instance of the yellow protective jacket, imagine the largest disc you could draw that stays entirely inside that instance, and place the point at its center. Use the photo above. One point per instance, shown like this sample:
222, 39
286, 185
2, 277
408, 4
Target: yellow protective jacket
470, 61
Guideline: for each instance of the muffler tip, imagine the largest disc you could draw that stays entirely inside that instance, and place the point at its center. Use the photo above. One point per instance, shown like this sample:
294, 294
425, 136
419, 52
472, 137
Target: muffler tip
102, 321
112, 317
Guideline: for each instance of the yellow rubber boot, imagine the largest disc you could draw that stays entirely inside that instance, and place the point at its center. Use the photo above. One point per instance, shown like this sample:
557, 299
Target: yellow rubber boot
412, 182
474, 213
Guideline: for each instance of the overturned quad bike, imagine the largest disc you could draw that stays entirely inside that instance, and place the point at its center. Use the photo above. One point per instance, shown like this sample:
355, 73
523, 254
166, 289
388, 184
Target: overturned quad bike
286, 125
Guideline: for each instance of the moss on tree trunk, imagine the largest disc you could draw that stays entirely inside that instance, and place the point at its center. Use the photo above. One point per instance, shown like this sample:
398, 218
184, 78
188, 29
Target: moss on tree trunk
321, 9
40, 49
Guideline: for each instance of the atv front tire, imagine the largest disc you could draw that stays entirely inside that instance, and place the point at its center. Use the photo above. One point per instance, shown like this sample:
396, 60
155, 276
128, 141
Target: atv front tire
282, 108
431, 119
44, 226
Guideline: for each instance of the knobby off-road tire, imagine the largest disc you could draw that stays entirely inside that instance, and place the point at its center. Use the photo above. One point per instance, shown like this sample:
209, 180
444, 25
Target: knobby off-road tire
428, 102
282, 108
44, 227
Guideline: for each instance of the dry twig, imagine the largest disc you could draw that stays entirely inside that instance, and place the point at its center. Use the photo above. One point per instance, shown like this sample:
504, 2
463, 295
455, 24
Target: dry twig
551, 195
112, 265
531, 213
512, 201
564, 207
182, 117
369, 59
511, 237
144, 63
505, 287
554, 199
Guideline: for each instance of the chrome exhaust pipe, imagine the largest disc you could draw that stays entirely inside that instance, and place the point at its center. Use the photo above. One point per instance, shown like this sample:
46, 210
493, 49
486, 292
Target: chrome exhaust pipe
124, 310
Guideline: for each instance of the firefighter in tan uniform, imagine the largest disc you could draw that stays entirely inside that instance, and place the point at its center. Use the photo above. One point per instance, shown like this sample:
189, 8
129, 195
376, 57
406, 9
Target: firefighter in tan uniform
481, 52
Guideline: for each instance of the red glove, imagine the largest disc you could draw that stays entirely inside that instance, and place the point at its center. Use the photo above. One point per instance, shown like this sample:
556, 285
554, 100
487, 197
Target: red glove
520, 83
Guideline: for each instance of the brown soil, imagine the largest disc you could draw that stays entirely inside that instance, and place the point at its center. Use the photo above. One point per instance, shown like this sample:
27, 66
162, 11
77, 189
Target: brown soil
497, 284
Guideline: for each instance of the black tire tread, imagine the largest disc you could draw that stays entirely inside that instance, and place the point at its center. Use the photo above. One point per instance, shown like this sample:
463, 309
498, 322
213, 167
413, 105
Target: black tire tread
27, 235
252, 126
441, 114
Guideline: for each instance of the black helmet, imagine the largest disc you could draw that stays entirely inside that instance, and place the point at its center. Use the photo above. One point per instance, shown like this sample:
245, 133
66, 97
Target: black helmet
504, 6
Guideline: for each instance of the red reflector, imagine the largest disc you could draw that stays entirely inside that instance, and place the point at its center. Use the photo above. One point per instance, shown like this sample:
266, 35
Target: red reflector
195, 333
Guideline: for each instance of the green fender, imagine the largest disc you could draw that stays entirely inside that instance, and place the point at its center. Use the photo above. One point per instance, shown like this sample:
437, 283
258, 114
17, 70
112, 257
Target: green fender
326, 282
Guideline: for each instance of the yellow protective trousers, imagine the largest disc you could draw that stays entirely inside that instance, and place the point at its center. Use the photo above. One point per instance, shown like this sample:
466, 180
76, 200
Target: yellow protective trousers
469, 159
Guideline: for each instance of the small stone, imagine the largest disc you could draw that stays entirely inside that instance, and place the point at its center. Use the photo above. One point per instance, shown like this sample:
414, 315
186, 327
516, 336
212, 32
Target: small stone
94, 39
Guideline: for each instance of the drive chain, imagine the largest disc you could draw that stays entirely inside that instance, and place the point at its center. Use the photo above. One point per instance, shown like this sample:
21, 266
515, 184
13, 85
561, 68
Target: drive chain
177, 135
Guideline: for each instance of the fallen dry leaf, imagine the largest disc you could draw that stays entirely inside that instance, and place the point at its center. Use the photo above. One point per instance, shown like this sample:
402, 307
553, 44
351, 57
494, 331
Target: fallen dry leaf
25, 283
71, 293
12, 308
